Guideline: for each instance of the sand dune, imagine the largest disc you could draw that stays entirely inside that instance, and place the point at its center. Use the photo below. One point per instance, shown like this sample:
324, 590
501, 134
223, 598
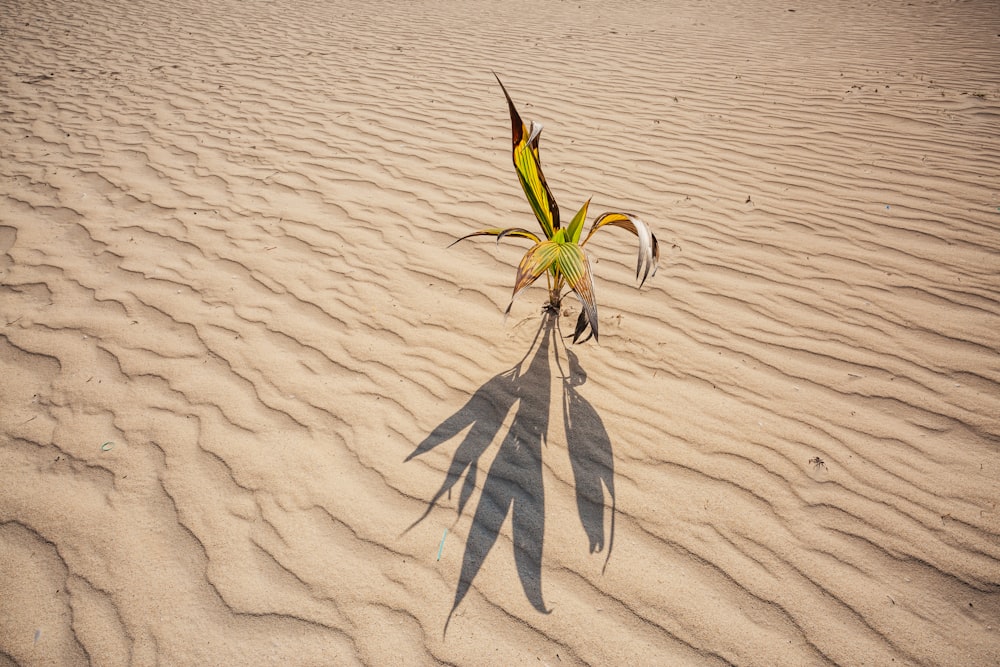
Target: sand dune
254, 410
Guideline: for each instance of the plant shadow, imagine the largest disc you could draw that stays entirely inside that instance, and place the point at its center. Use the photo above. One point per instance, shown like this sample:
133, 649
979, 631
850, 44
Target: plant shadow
513, 484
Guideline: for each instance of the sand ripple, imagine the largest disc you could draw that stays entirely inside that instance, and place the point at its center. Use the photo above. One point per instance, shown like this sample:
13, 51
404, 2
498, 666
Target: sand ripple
254, 412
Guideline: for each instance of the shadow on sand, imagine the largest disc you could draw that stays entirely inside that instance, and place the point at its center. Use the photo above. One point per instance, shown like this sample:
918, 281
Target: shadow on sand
514, 482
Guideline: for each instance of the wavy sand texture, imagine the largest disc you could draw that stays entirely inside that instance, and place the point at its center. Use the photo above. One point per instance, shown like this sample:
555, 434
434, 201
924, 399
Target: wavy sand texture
246, 388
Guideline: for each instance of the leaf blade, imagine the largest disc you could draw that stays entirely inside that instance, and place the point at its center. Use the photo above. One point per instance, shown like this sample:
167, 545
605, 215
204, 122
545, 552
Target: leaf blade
574, 265
500, 233
649, 247
576, 225
527, 163
539, 259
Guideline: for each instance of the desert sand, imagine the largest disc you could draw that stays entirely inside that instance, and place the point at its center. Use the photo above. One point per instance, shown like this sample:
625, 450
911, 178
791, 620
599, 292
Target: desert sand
255, 411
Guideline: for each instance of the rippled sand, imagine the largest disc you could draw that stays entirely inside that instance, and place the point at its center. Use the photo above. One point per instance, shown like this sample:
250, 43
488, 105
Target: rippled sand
255, 411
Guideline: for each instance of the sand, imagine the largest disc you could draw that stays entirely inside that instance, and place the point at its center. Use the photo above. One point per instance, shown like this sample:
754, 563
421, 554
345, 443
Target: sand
256, 412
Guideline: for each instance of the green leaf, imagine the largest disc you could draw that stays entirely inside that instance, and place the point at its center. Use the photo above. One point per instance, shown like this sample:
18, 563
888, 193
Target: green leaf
528, 166
576, 225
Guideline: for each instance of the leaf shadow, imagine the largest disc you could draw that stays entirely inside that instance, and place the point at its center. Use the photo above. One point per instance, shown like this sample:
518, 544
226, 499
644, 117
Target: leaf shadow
592, 458
513, 484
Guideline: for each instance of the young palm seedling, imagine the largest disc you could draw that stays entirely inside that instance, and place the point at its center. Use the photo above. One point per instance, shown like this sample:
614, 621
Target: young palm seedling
560, 254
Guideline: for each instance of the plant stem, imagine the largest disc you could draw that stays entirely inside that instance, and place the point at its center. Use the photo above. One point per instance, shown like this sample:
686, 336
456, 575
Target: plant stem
555, 292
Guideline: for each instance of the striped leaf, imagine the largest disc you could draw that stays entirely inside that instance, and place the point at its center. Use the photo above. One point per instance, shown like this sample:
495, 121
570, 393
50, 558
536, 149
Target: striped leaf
528, 166
574, 266
540, 258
